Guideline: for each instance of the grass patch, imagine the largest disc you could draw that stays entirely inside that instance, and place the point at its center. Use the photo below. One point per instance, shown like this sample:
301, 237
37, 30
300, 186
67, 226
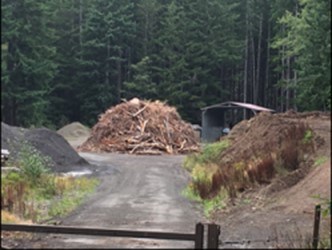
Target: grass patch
190, 194
34, 193
73, 193
320, 160
7, 217
209, 154
203, 167
209, 205
54, 196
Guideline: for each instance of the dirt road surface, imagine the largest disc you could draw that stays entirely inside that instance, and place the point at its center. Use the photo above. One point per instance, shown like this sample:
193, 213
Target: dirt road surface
136, 193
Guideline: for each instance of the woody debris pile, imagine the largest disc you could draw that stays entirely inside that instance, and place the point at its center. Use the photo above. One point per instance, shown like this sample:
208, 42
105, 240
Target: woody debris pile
141, 127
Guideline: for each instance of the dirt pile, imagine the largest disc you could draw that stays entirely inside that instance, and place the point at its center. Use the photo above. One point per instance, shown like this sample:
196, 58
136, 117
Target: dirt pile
264, 147
281, 210
265, 133
74, 130
75, 133
141, 127
46, 141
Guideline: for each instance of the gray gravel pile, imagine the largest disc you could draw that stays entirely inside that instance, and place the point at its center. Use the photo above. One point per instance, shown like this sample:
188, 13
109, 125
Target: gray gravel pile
47, 142
12, 138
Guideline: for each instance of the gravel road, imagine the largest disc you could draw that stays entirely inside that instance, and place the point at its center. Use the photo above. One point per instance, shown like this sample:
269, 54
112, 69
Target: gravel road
136, 193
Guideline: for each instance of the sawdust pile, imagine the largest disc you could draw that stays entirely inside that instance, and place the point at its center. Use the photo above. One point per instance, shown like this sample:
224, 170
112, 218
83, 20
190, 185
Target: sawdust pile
73, 130
141, 127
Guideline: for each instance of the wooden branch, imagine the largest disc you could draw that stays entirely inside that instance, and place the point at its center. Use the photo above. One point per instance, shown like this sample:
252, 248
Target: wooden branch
139, 111
143, 126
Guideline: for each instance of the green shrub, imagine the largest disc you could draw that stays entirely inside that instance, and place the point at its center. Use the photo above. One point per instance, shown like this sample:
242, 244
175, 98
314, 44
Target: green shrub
203, 166
33, 165
11, 177
308, 136
212, 151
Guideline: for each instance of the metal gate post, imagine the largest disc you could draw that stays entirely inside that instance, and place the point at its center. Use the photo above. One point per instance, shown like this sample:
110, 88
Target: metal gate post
315, 238
199, 234
213, 236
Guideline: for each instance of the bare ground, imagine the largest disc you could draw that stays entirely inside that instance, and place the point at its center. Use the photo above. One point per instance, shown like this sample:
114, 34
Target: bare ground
136, 193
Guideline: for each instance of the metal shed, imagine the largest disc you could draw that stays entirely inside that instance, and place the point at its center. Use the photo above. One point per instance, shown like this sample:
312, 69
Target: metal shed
218, 116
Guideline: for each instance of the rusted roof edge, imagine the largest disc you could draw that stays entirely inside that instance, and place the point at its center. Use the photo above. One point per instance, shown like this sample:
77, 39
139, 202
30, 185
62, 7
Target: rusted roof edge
238, 104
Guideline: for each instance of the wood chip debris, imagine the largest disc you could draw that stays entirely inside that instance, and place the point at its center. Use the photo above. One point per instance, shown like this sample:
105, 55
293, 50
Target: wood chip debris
141, 127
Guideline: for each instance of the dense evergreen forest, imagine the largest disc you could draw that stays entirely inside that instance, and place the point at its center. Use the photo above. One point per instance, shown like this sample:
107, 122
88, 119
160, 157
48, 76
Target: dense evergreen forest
70, 60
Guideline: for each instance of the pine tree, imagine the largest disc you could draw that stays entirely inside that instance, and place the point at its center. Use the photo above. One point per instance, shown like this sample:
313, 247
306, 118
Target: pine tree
142, 85
170, 66
27, 35
65, 104
106, 38
306, 38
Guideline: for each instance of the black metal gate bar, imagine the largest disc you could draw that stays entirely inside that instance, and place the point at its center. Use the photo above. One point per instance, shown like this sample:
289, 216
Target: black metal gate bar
213, 236
199, 234
98, 232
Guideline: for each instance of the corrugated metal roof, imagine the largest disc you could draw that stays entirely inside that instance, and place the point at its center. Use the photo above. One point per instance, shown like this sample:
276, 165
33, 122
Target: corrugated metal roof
239, 104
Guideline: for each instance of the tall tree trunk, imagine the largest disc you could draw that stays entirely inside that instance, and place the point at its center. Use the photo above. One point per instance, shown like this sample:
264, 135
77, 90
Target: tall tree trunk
81, 27
245, 76
259, 58
13, 117
221, 81
232, 84
295, 86
282, 78
119, 80
294, 71
108, 53
128, 71
267, 66
10, 107
253, 54
146, 27
288, 82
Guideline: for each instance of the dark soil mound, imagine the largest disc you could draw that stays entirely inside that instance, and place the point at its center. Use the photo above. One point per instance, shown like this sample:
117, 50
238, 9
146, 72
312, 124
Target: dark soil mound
46, 141
262, 148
